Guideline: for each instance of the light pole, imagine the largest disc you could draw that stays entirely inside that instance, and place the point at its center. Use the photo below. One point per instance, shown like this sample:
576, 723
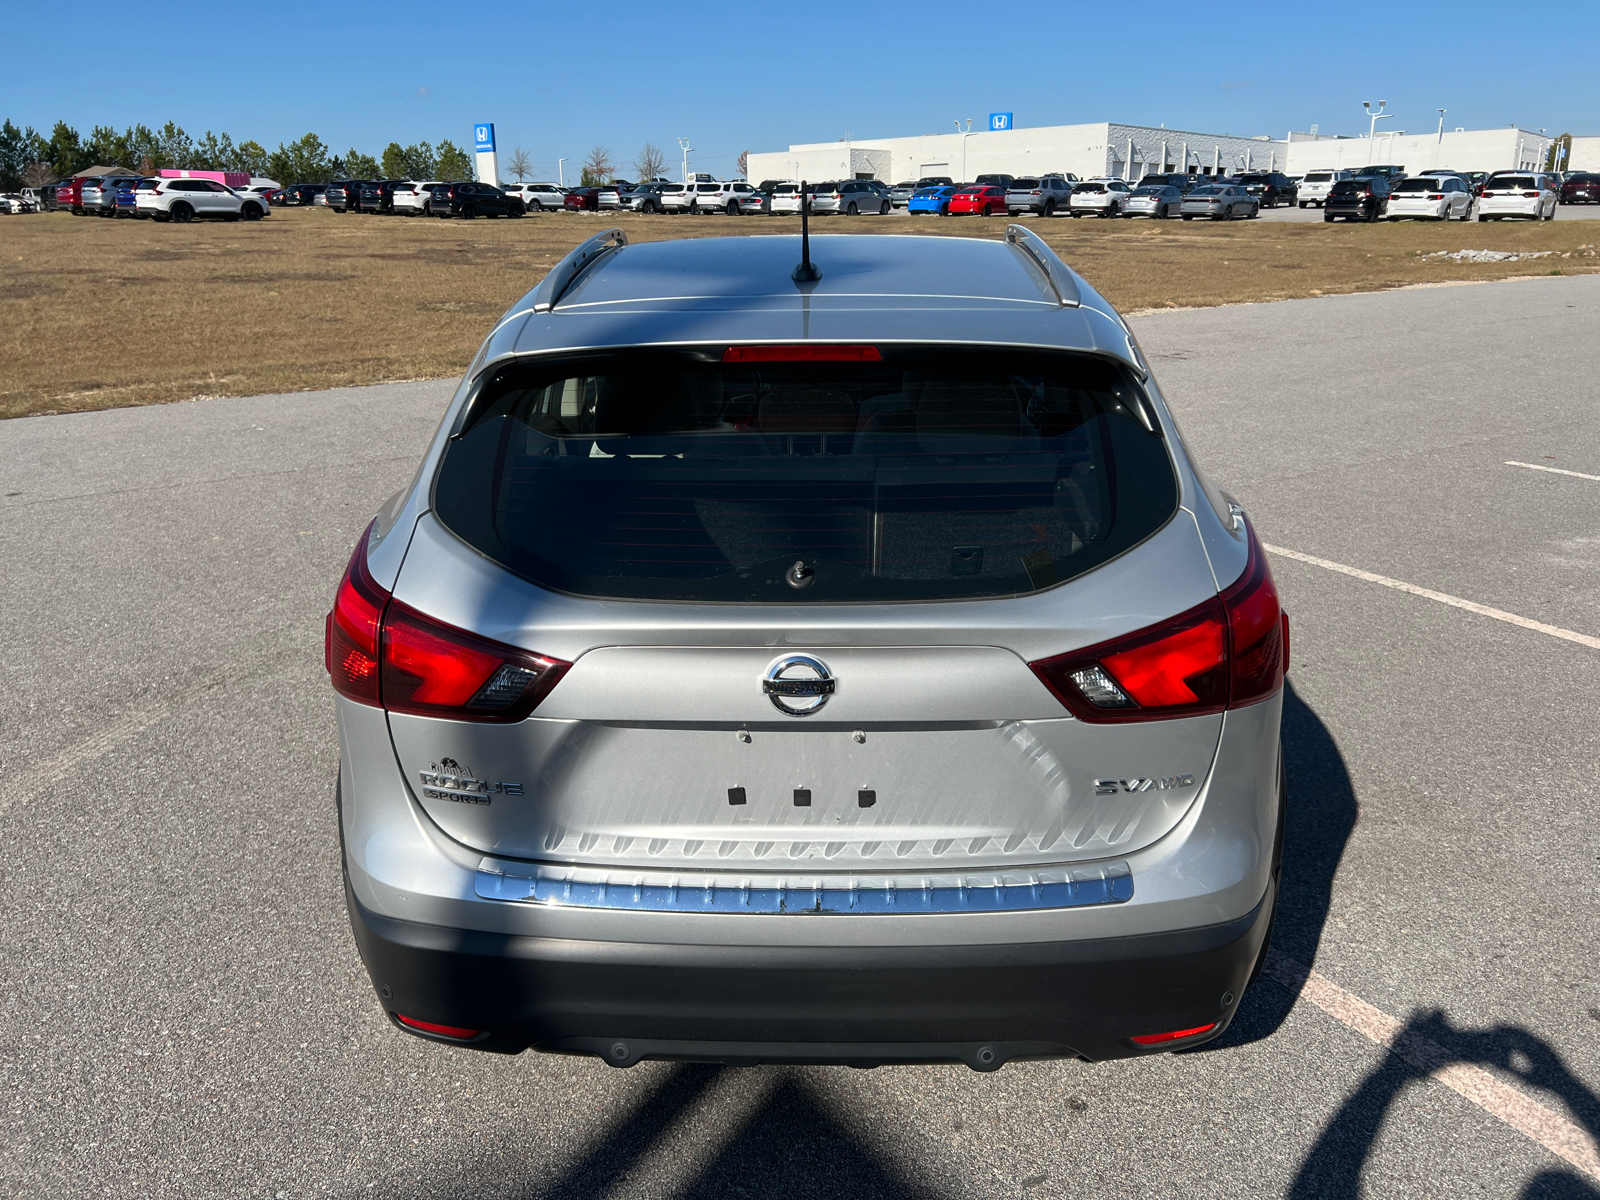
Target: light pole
683, 144
561, 172
965, 134
1372, 126
1442, 111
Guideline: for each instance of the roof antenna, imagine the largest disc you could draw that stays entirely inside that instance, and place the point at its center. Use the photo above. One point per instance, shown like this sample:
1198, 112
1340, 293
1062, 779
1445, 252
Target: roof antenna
807, 271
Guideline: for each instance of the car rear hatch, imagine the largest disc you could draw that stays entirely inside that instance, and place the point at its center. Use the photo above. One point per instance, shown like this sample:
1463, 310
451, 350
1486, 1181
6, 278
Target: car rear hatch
779, 616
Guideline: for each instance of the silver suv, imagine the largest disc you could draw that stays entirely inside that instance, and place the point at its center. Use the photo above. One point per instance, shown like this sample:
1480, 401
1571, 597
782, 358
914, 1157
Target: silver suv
862, 672
1042, 196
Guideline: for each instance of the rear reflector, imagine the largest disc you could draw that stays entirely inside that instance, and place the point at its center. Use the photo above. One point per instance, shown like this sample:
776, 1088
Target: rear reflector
380, 651
449, 1031
1226, 652
801, 354
1156, 1039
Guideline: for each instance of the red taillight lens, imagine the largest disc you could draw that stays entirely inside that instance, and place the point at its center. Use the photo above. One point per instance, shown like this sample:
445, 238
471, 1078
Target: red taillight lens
1440, 196
1156, 1039
1530, 195
381, 651
435, 670
819, 353
449, 1031
350, 634
1229, 651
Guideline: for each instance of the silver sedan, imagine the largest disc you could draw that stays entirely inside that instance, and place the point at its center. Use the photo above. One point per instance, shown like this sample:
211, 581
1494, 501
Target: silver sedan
1154, 201
1220, 202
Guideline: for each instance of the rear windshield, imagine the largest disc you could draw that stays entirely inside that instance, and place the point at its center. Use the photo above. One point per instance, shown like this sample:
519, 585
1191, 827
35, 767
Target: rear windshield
933, 474
1432, 184
1319, 177
1091, 188
1021, 184
1512, 181
1149, 190
1347, 187
1208, 190
1581, 177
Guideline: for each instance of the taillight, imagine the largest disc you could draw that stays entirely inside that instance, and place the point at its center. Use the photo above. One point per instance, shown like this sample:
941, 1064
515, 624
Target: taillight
435, 670
1440, 196
380, 651
350, 634
1530, 195
1230, 651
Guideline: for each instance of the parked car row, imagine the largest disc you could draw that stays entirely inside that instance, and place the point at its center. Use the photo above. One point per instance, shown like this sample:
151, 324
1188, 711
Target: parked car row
179, 200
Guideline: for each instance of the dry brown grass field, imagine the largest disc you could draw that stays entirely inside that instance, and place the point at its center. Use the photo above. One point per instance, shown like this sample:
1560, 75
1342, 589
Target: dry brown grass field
103, 313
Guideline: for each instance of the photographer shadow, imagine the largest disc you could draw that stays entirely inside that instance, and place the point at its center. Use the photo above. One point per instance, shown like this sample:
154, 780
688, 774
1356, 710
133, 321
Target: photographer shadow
1333, 1168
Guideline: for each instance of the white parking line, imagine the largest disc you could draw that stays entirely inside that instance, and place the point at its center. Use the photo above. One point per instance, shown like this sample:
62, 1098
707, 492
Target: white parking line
1553, 470
1527, 1116
1483, 610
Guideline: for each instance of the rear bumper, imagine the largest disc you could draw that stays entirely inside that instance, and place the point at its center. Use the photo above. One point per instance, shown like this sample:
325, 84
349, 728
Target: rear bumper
980, 1004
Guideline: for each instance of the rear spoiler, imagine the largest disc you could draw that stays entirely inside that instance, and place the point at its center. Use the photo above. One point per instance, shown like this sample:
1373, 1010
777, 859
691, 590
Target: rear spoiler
566, 272
1057, 272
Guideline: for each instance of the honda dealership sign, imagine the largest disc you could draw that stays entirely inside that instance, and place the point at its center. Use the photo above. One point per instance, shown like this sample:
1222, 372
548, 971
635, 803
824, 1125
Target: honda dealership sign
483, 147
999, 122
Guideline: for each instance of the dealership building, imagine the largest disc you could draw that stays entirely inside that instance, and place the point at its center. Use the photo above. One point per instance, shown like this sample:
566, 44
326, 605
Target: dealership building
1132, 151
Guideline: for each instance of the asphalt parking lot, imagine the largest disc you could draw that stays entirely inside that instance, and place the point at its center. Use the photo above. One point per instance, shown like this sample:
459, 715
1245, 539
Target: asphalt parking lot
185, 1014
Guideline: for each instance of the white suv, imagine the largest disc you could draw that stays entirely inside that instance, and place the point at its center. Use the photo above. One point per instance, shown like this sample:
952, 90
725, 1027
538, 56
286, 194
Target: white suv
1314, 188
544, 196
1531, 194
1100, 197
182, 200
411, 197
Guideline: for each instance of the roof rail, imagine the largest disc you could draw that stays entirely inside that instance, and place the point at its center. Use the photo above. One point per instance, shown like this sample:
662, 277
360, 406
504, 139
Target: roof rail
1057, 272
566, 272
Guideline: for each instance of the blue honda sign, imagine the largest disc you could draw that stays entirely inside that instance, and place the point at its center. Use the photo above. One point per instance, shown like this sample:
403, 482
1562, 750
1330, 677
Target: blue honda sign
998, 122
483, 137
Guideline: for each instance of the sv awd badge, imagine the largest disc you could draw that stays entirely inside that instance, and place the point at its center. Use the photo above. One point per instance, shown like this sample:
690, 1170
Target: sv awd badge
449, 780
1110, 787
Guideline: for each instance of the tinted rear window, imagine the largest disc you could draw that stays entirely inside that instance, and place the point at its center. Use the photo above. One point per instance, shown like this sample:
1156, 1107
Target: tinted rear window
1419, 185
1319, 177
1348, 187
1024, 183
1505, 182
1584, 178
935, 474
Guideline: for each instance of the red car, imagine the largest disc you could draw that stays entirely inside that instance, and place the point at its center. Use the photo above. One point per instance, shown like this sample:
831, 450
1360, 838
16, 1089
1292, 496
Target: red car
583, 199
70, 196
1582, 188
985, 200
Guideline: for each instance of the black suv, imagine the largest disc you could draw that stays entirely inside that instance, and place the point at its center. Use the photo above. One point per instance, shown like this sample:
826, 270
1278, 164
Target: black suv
470, 200
1362, 199
378, 195
1272, 188
300, 194
1184, 183
344, 195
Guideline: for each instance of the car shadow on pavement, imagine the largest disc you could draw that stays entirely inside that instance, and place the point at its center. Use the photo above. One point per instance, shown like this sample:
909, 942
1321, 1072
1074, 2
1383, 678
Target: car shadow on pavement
1322, 812
785, 1145
1332, 1170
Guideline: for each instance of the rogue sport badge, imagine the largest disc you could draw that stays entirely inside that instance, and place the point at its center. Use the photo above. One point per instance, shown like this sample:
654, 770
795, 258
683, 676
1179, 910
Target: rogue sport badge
798, 685
449, 780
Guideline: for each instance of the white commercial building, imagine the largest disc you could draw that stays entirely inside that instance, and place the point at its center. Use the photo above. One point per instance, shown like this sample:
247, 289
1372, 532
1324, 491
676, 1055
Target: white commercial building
1509, 149
1585, 154
1132, 151
1087, 151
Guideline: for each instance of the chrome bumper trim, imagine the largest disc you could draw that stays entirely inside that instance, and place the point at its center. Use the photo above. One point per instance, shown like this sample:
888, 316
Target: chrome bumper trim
567, 887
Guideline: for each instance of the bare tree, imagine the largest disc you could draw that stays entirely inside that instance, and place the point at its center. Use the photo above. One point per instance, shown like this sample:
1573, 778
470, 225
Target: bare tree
520, 165
598, 168
38, 175
744, 163
651, 163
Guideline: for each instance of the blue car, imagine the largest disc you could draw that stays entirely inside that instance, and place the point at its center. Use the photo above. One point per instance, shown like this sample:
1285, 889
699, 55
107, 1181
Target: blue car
126, 206
931, 200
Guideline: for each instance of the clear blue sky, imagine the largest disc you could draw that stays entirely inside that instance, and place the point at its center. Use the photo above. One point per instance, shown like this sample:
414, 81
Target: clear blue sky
558, 78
